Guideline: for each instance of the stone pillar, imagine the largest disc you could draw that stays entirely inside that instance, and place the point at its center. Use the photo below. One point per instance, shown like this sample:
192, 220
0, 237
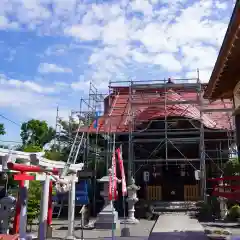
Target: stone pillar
50, 211
104, 193
132, 199
71, 206
23, 210
23, 190
42, 233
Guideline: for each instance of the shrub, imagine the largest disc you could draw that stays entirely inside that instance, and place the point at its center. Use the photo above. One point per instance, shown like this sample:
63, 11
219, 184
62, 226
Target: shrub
34, 199
234, 212
204, 210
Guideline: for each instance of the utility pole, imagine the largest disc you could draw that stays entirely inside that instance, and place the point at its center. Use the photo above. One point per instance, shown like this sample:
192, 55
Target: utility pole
56, 129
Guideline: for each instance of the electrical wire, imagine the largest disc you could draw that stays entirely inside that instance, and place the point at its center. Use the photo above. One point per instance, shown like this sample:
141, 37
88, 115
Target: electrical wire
10, 120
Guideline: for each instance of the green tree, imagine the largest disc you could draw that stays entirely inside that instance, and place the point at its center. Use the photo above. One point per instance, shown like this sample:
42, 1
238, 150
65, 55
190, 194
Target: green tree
66, 138
63, 140
32, 148
36, 133
68, 131
55, 155
232, 167
2, 129
34, 199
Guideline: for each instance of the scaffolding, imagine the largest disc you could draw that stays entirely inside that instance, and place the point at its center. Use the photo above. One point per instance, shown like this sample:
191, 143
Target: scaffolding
164, 113
166, 97
90, 109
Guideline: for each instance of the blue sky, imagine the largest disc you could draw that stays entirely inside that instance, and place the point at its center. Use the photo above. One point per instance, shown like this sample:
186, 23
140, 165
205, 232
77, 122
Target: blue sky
51, 49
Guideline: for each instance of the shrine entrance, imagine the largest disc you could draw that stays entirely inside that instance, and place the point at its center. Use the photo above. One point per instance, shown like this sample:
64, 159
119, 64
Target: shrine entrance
173, 187
167, 182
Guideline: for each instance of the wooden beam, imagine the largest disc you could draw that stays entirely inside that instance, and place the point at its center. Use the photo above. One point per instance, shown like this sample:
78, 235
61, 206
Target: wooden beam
23, 177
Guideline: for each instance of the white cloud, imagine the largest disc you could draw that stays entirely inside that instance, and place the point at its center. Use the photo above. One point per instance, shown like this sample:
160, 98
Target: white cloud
155, 39
52, 68
6, 24
142, 6
168, 62
204, 75
27, 85
98, 80
24, 104
162, 36
84, 32
30, 100
58, 49
81, 85
140, 57
120, 37
221, 5
115, 31
105, 11
198, 56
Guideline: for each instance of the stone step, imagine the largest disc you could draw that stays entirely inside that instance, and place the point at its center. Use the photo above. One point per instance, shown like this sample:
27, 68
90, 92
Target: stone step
162, 210
174, 206
175, 203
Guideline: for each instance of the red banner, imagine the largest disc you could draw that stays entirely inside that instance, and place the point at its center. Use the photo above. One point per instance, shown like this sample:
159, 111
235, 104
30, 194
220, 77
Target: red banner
112, 191
120, 161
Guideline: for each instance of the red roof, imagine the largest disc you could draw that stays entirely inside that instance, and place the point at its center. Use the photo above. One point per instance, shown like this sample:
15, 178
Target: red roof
150, 104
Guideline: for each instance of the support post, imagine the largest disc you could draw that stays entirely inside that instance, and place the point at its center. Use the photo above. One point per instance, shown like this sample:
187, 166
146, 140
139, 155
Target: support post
130, 137
237, 123
202, 150
23, 211
71, 207
50, 210
16, 223
44, 209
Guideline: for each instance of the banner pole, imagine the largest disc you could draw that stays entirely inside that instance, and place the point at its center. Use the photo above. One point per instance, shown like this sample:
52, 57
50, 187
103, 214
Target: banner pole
123, 195
113, 179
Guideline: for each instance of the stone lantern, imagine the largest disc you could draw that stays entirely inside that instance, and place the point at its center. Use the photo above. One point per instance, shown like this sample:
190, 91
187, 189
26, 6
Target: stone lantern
104, 193
108, 217
132, 199
7, 207
223, 200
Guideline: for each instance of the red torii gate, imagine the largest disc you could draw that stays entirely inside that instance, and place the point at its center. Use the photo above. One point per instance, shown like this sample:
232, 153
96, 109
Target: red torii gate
226, 190
22, 176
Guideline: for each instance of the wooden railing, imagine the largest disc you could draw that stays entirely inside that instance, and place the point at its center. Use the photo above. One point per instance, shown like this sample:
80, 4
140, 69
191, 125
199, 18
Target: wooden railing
154, 193
191, 192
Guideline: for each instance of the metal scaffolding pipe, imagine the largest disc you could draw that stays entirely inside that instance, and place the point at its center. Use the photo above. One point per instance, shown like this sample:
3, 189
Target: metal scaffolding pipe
167, 160
157, 103
182, 140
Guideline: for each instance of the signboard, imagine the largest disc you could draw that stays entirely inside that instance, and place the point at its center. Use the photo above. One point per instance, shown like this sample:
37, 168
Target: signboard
146, 176
236, 93
197, 174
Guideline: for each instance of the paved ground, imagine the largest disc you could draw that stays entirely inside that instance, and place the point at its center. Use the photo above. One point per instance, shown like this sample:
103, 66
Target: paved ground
234, 228
138, 231
177, 226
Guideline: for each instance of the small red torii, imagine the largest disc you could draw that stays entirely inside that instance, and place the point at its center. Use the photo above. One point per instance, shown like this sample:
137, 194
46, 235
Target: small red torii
225, 189
22, 176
